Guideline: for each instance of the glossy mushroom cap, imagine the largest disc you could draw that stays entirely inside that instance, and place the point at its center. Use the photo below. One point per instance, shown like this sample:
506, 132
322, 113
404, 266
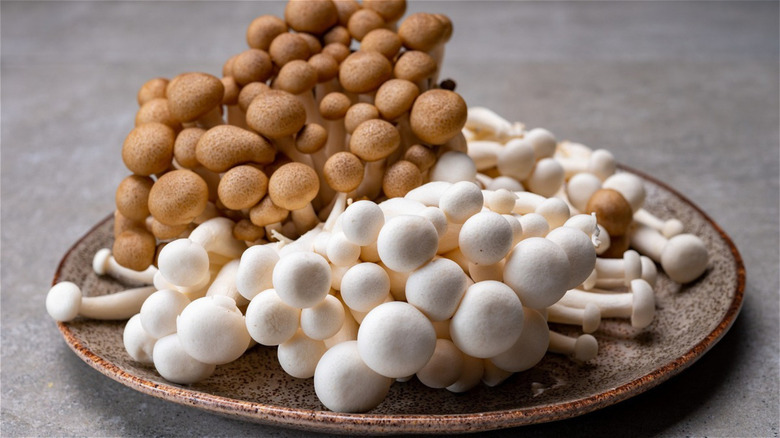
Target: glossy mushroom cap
242, 187
343, 171
363, 72
132, 197
293, 186
192, 95
438, 115
612, 211
311, 138
374, 139
276, 114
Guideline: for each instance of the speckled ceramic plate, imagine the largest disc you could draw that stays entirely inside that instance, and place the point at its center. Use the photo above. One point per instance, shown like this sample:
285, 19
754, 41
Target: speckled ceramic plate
689, 321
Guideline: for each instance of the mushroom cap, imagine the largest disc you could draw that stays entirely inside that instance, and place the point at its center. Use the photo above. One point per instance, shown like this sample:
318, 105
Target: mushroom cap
460, 201
252, 65
156, 110
453, 167
357, 114
267, 213
293, 186
343, 172
337, 34
363, 21
134, 249
630, 186
374, 140
298, 356
334, 106
684, 258
254, 270
269, 320
395, 97
311, 16
340, 251
390, 10
438, 115
323, 320
192, 95
132, 197
138, 343
165, 232
148, 149
422, 157
345, 9
249, 92
152, 89
159, 311
543, 142
242, 187
287, 47
488, 321
183, 262
363, 72
643, 303
185, 145
486, 238
516, 159
176, 365
263, 29
337, 51
530, 347
225, 146
212, 330
364, 286
296, 77
311, 138
302, 279
415, 66
276, 114
361, 222
400, 178
580, 187
382, 40
537, 270
579, 250
547, 177
231, 90
612, 211
64, 301
444, 367
421, 31
178, 197
436, 288
325, 66
407, 242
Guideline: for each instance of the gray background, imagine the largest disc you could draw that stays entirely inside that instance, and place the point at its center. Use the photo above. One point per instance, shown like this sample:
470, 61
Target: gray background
685, 91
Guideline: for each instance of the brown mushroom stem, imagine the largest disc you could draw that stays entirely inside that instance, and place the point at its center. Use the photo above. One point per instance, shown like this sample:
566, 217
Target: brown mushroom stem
286, 145
304, 218
408, 139
322, 89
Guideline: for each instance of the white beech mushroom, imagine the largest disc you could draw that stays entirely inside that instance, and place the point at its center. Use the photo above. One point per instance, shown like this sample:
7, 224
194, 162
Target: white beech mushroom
137, 342
445, 366
600, 163
159, 312
298, 356
470, 376
588, 317
461, 201
64, 302
269, 320
530, 346
626, 269
364, 286
537, 270
516, 159
361, 222
212, 330
579, 250
667, 227
453, 167
546, 178
302, 279
583, 348
323, 320
406, 242
683, 257
436, 288
486, 238
255, 270
638, 305
176, 365
103, 263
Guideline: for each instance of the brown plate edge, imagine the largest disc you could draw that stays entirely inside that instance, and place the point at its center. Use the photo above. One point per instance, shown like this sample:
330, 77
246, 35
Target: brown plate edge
327, 421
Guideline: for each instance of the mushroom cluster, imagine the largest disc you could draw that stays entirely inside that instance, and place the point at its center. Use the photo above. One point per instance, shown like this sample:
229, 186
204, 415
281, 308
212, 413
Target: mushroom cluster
341, 206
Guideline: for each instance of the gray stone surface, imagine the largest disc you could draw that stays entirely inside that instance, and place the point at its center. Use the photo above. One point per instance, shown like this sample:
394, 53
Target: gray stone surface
685, 91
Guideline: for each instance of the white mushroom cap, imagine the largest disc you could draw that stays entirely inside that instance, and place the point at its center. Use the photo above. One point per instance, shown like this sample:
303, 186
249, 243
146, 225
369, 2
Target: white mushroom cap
555, 211
534, 225
579, 250
302, 279
516, 159
630, 186
429, 193
505, 182
517, 227
407, 242
175, 365
547, 177
212, 330
684, 258
400, 206
323, 320
255, 270
580, 188
361, 222
530, 346
437, 218
299, 355
445, 366
269, 320
461, 201
488, 320
344, 383
365, 286
502, 201
64, 301
485, 238
542, 141
341, 251
436, 288
138, 343
183, 263
537, 270
470, 375
159, 312
453, 166
396, 340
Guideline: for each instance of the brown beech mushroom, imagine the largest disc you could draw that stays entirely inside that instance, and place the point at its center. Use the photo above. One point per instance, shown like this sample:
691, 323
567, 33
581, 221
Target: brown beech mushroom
134, 249
185, 145
223, 147
400, 178
337, 34
363, 21
311, 140
363, 72
327, 70
196, 97
230, 99
267, 214
132, 197
263, 29
248, 94
314, 17
357, 114
373, 141
338, 51
293, 187
345, 9
278, 116
178, 197
299, 78
156, 110
612, 210
395, 97
242, 187
437, 116
421, 31
422, 157
382, 40
416, 66
252, 65
166, 232
315, 46
288, 46
148, 149
247, 231
152, 89
390, 10
343, 172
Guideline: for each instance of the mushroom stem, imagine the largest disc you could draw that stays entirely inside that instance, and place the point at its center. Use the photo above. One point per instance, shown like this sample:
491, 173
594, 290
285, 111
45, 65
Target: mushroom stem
103, 263
638, 305
304, 218
65, 301
588, 317
372, 179
216, 236
668, 228
628, 268
582, 348
600, 163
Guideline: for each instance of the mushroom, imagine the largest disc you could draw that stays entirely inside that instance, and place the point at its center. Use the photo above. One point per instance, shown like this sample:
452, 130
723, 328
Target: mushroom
148, 149
364, 286
390, 10
176, 365
542, 141
337, 34
437, 116
533, 225
103, 263
485, 153
668, 228
683, 257
262, 31
196, 97
185, 146
363, 72
395, 339
373, 141
344, 383
302, 279
400, 178
588, 317
406, 242
299, 78
269, 320
630, 186
363, 21
486, 238
333, 108
298, 356
267, 214
216, 236
156, 110
287, 47
324, 320
583, 348
638, 305
292, 187
159, 312
470, 375
579, 250
152, 89
517, 159
314, 17
340, 251
361, 222
493, 375
184, 263
621, 271
530, 346
485, 123
445, 366
278, 116
436, 288
453, 167
546, 179
138, 343
224, 284
135, 248
252, 65
579, 189
600, 163
382, 40
537, 270
212, 330
255, 270
461, 201
178, 197
242, 187
612, 211
64, 302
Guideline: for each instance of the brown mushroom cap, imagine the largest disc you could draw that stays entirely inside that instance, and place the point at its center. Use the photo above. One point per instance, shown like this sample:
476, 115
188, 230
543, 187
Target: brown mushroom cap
325, 66
192, 95
152, 89
422, 157
414, 66
390, 10
252, 65
311, 16
382, 40
165, 232
345, 9
276, 114
156, 110
246, 230
242, 187
227, 67
618, 245
357, 114
374, 139
225, 146
296, 77
363, 72
185, 145
447, 24
612, 210
263, 29
121, 223
178, 197
315, 46
134, 249
311, 138
288, 46
338, 51
400, 178
334, 106
231, 91
132, 197
343, 171
421, 31
364, 21
148, 149
249, 92
266, 213
437, 116
293, 186
395, 97
337, 34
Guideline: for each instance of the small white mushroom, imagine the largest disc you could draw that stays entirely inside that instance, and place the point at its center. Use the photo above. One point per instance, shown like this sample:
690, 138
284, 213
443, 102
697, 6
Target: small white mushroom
517, 159
579, 250
341, 251
323, 320
103, 263
555, 211
488, 320
470, 375
580, 187
225, 284
212, 330
216, 236
537, 270
361, 222
484, 153
485, 122
184, 263
436, 288
298, 356
65, 302
486, 238
445, 366
683, 257
461, 201
600, 162
159, 312
255, 270
364, 286
669, 227
344, 383
638, 305
533, 225
543, 142
529, 348
453, 167
630, 186
626, 269
302, 279
175, 365
430, 193
269, 320
399, 206
138, 343
437, 218
406, 242
517, 227
502, 201
583, 348
547, 177
589, 317
348, 331
505, 182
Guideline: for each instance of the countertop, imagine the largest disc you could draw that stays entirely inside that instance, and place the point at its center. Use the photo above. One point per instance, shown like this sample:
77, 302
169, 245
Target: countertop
684, 91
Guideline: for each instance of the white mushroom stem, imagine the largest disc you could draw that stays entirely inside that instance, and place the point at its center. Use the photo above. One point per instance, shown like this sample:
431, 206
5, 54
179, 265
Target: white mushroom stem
225, 284
372, 179
193, 292
668, 228
103, 263
649, 274
568, 149
65, 301
485, 122
582, 348
638, 305
304, 218
216, 236
588, 317
600, 163
628, 268
484, 153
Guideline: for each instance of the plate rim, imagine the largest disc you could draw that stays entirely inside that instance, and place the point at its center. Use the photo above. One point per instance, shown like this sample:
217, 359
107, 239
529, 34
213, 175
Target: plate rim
328, 421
